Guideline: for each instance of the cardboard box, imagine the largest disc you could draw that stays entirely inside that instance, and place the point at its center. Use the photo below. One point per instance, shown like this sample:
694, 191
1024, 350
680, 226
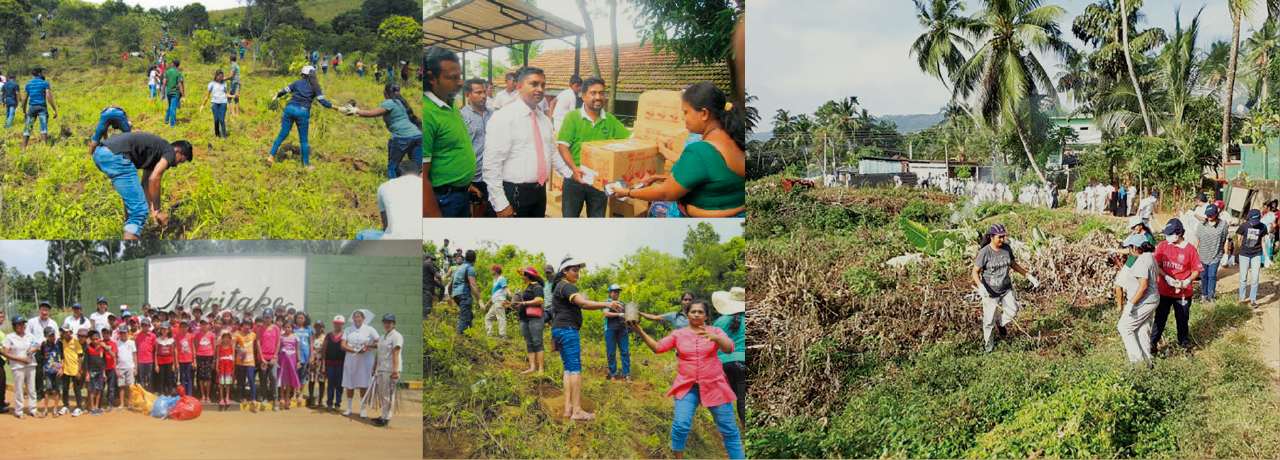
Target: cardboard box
630, 208
555, 199
626, 159
660, 118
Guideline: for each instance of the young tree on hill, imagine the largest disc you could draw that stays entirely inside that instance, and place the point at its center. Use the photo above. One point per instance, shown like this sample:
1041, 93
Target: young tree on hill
193, 17
400, 38
15, 28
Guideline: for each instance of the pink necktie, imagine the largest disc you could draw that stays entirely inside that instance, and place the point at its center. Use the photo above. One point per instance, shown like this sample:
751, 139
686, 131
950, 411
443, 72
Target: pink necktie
537, 138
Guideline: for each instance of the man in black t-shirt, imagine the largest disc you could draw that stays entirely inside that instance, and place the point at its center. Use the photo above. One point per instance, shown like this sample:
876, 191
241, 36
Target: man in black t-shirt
121, 157
430, 283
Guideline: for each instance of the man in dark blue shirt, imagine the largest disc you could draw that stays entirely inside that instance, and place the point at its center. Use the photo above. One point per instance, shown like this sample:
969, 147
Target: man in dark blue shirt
36, 106
11, 93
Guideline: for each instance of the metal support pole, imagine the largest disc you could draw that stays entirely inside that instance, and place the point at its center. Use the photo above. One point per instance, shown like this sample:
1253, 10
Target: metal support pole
577, 56
490, 66
527, 44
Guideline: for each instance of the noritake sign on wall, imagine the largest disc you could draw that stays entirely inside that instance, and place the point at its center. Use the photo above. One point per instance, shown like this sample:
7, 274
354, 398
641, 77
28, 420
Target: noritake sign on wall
237, 282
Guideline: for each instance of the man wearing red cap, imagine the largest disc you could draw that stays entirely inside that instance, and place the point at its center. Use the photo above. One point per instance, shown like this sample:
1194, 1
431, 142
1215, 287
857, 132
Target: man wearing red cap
497, 297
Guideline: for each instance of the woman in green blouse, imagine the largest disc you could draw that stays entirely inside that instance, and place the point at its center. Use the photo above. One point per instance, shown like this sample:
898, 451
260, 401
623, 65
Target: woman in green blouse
709, 179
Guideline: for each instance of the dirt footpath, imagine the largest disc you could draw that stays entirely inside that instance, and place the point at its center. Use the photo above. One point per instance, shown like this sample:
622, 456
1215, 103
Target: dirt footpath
295, 434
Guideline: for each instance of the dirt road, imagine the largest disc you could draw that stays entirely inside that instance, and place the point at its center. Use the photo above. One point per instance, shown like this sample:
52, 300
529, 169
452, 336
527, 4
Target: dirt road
296, 433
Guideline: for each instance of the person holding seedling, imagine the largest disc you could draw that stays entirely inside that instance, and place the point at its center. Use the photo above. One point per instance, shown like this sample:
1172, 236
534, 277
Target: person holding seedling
121, 157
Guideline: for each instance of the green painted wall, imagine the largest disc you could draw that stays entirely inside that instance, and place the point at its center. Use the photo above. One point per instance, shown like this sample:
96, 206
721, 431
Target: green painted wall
336, 285
1258, 164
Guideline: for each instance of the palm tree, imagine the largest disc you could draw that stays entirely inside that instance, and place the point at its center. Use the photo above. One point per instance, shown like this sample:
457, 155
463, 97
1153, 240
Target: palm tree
1111, 29
1261, 48
1213, 67
1005, 72
1238, 9
938, 49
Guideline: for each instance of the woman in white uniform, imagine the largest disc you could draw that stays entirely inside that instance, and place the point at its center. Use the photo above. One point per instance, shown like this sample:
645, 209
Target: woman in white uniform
360, 341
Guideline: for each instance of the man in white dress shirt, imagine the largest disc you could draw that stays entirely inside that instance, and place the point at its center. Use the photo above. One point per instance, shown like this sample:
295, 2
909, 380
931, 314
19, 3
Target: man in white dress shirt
507, 95
520, 151
566, 101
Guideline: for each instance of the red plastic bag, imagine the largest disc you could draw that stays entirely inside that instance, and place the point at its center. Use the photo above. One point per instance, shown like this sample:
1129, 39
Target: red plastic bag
187, 408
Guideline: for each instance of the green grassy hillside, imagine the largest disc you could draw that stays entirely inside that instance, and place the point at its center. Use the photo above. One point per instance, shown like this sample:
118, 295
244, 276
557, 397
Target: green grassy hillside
55, 191
478, 405
319, 10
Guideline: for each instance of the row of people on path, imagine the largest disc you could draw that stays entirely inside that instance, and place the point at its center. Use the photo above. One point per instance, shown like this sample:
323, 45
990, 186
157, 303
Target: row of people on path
500, 154
212, 357
1152, 280
711, 370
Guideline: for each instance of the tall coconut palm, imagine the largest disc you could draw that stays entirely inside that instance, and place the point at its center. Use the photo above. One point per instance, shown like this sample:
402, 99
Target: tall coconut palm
1112, 28
1261, 48
1238, 9
1214, 65
938, 50
1004, 72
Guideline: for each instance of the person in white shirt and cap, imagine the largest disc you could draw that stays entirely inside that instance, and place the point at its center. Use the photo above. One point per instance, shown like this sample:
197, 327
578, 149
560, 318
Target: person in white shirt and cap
359, 341
99, 318
77, 322
386, 372
520, 152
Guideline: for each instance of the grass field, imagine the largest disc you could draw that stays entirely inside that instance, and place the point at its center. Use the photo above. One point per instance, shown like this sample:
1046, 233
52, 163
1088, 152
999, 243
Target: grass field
478, 405
869, 361
320, 10
54, 190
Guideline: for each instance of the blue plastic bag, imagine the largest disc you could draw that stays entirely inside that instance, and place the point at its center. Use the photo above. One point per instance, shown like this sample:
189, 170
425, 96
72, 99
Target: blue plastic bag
163, 405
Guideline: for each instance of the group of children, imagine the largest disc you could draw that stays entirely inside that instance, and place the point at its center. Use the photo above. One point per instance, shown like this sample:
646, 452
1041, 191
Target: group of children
214, 357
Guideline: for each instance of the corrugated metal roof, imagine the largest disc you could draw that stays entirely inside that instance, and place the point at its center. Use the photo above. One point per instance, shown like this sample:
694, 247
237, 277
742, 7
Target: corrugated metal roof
480, 24
641, 69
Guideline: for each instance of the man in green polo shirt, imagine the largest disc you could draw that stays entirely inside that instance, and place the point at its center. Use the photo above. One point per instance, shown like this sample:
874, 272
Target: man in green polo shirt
449, 163
174, 90
590, 123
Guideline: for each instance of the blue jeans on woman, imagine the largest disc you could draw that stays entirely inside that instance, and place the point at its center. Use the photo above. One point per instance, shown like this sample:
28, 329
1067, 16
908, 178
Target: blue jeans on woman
295, 114
1209, 280
682, 422
220, 120
570, 347
1250, 266
246, 373
175, 103
124, 177
398, 147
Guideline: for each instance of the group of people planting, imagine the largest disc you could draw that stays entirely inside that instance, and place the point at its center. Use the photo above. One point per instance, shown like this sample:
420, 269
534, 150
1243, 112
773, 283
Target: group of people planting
711, 370
1153, 278
214, 357
493, 155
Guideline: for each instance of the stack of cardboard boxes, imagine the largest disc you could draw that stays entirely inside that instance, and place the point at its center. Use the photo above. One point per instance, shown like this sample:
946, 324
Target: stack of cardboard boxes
659, 138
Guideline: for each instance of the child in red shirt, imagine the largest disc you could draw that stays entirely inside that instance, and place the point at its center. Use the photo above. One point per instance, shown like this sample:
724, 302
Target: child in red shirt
166, 349
186, 343
110, 374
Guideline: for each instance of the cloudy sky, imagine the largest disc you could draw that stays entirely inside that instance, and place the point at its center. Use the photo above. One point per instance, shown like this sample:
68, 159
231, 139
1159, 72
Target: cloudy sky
28, 256
802, 53
596, 241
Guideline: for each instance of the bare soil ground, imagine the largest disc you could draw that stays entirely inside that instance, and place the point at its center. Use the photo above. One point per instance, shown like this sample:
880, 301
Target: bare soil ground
294, 433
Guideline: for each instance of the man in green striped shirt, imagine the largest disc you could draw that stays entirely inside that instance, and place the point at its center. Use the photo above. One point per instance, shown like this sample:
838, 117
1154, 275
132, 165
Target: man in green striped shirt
449, 163
589, 123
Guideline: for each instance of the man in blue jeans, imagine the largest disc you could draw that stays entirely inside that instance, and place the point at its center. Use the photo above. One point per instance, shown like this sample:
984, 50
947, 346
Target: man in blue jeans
112, 117
39, 95
174, 90
121, 157
615, 338
11, 92
464, 289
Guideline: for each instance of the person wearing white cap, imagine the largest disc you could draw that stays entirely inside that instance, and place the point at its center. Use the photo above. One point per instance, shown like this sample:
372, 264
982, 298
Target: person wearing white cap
1137, 227
99, 318
360, 341
334, 360
616, 340
387, 371
302, 93
1142, 297
568, 304
498, 296
19, 349
732, 307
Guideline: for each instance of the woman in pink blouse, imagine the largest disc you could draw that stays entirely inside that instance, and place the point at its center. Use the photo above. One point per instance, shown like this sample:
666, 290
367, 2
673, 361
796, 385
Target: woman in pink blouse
699, 378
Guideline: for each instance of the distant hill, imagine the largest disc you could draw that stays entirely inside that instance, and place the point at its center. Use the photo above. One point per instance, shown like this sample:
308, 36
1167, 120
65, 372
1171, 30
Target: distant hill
320, 10
913, 123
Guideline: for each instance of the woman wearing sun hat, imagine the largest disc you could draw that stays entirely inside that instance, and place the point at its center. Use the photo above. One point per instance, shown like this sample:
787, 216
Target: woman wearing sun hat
568, 304
991, 278
732, 306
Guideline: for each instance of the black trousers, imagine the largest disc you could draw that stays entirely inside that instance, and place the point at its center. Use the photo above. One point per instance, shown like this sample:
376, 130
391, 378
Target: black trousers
577, 193
70, 383
527, 200
736, 373
1181, 313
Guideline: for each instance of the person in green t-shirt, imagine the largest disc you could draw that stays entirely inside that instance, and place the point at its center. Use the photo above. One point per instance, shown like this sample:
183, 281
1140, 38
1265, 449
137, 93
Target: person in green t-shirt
174, 90
397, 114
589, 123
709, 179
449, 163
